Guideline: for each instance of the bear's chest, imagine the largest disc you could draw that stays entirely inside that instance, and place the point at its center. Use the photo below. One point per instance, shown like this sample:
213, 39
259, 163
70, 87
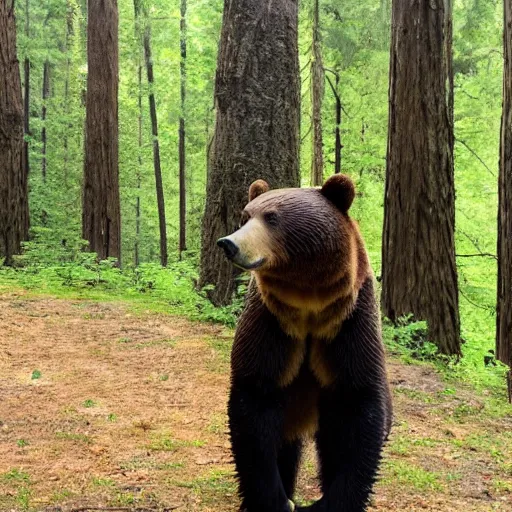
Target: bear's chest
307, 357
307, 375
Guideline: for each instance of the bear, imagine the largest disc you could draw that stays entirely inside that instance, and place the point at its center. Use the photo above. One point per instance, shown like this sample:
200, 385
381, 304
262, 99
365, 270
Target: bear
307, 356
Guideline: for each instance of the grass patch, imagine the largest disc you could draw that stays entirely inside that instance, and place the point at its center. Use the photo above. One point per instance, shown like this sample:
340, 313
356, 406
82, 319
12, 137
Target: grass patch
15, 475
218, 424
102, 482
61, 495
165, 443
406, 474
147, 463
73, 436
19, 481
213, 487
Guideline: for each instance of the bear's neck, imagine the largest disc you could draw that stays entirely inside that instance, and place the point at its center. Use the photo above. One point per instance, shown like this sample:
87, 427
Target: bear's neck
304, 309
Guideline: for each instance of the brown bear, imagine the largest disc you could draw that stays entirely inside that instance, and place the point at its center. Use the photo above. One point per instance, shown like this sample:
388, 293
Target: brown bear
308, 357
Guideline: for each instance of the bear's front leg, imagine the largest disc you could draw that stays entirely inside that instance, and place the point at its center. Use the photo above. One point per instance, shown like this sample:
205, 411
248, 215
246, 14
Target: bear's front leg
255, 423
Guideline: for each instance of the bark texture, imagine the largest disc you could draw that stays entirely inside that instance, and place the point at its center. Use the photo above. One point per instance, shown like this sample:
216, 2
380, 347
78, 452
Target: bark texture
257, 125
504, 300
13, 180
101, 220
181, 134
419, 274
26, 96
45, 94
317, 96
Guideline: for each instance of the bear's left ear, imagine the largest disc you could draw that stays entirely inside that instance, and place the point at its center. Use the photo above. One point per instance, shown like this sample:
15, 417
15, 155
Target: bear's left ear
257, 188
340, 190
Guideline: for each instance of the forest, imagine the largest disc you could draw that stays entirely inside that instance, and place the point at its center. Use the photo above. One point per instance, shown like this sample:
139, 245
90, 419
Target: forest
130, 131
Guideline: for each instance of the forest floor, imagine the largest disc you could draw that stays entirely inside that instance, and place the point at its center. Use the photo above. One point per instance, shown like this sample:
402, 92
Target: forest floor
102, 406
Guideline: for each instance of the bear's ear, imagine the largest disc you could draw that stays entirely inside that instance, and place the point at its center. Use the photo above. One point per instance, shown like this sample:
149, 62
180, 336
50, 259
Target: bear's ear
257, 188
340, 190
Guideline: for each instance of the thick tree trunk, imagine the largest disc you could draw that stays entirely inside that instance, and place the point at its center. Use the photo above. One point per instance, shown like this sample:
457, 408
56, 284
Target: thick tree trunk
13, 180
504, 305
156, 147
419, 274
44, 95
101, 220
26, 97
182, 153
257, 125
317, 95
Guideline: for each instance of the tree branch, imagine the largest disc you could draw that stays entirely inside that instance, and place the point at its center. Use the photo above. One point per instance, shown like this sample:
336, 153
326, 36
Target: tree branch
484, 254
475, 155
486, 308
336, 95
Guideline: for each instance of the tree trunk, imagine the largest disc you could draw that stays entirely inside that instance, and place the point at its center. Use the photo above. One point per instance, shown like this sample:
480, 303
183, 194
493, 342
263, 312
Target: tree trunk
156, 146
504, 302
101, 220
337, 132
182, 154
26, 97
257, 124
419, 273
139, 170
13, 180
69, 35
317, 94
45, 95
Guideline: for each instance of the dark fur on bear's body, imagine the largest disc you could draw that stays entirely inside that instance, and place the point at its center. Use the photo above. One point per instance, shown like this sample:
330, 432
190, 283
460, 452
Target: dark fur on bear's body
291, 375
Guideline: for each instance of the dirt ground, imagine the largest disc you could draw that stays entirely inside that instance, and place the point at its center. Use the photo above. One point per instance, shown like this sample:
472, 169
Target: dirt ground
104, 409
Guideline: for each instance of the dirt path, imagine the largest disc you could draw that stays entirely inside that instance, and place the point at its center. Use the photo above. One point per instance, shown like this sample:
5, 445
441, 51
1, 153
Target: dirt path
102, 408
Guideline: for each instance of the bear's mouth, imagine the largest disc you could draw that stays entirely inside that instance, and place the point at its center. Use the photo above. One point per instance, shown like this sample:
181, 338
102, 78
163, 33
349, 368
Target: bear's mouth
244, 265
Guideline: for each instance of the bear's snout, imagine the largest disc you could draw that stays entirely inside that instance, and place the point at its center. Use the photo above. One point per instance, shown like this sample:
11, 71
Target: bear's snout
229, 247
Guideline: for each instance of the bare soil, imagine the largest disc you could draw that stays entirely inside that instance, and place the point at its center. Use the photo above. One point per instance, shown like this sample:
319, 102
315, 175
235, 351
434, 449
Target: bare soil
101, 408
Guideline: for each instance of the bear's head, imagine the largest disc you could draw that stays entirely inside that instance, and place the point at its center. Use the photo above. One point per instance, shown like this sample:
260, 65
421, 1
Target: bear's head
295, 233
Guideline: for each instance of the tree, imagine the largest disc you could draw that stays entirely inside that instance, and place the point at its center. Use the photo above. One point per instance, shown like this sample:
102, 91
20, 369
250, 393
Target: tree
504, 305
45, 94
419, 274
317, 94
257, 124
140, 9
337, 107
70, 8
101, 219
182, 153
26, 96
14, 217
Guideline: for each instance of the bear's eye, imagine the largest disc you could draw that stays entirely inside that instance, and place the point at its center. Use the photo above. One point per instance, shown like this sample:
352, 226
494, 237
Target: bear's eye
271, 218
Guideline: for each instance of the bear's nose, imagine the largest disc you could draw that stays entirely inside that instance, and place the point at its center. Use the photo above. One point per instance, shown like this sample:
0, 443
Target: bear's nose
230, 248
